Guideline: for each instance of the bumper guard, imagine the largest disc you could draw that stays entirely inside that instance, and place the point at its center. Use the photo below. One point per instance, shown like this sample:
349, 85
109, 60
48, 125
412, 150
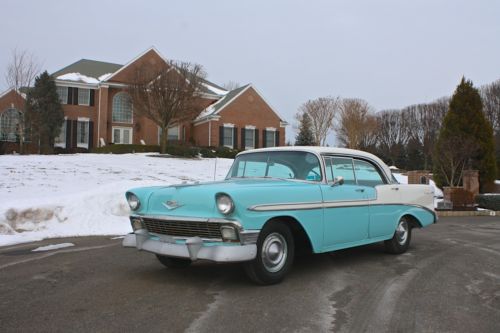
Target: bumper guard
192, 249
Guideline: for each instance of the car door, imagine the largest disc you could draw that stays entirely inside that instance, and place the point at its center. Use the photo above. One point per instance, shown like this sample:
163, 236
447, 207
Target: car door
345, 206
383, 215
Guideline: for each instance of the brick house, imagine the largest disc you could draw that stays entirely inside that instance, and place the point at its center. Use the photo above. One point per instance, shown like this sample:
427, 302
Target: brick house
98, 111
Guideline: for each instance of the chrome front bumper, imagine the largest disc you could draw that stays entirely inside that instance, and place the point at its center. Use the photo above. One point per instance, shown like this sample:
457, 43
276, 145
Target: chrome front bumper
193, 248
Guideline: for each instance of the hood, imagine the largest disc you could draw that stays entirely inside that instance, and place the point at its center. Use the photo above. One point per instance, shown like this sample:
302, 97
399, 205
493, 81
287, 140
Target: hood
198, 200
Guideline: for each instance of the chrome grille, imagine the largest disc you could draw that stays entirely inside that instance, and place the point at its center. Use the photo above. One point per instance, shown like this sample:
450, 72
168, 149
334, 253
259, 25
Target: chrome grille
209, 230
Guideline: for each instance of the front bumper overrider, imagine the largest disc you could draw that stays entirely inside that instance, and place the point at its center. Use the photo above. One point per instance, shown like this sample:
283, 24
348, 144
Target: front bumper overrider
192, 248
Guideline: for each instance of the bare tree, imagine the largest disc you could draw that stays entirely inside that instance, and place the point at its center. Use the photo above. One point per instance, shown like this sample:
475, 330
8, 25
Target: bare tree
421, 123
453, 157
356, 127
490, 95
231, 85
167, 94
322, 113
21, 73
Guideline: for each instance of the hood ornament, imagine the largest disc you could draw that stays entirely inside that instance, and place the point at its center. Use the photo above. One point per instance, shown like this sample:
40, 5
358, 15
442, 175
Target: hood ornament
172, 204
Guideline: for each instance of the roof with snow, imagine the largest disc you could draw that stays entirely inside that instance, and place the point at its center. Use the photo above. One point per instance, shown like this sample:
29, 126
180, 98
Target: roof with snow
94, 72
221, 103
85, 70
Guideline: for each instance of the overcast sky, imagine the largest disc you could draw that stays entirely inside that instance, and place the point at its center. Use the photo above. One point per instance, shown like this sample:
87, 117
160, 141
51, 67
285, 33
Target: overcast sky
392, 53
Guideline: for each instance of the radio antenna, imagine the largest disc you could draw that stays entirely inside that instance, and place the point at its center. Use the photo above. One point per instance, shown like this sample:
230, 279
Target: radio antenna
215, 169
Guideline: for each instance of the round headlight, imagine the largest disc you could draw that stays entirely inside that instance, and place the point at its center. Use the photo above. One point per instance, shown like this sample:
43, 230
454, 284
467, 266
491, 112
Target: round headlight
225, 204
133, 201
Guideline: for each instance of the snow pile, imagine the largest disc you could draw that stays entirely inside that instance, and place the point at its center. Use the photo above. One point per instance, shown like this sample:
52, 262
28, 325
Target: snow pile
215, 90
104, 77
83, 194
208, 111
52, 247
78, 78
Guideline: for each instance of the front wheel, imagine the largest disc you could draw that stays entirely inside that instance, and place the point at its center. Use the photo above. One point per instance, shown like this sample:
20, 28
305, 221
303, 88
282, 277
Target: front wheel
275, 252
400, 242
173, 262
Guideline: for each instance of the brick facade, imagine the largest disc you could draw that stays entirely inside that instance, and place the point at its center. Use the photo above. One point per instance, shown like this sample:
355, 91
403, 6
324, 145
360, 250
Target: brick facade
248, 109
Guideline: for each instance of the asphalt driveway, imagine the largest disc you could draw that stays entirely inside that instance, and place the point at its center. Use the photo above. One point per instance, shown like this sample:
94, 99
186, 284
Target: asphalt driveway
449, 281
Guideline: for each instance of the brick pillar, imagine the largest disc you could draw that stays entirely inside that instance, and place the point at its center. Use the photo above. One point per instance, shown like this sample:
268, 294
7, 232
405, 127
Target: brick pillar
418, 177
471, 181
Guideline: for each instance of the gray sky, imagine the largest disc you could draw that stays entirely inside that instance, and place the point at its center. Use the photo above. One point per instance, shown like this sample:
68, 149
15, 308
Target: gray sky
392, 53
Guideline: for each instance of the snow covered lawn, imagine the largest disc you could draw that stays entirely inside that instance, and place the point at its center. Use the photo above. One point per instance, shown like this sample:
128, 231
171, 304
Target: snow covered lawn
83, 194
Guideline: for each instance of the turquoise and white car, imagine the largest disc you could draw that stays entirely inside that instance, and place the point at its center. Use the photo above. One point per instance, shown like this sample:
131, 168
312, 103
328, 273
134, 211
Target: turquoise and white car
275, 201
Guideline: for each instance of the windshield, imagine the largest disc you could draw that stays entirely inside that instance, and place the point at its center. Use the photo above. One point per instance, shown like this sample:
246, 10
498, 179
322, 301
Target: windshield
277, 164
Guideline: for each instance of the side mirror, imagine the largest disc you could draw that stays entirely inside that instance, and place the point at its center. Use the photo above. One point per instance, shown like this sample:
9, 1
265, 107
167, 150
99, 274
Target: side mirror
338, 181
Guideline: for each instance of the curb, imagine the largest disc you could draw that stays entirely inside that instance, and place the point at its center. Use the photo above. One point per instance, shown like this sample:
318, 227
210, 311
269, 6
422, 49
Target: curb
467, 213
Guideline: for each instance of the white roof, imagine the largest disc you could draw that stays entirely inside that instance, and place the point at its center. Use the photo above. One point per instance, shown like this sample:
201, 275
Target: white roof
317, 150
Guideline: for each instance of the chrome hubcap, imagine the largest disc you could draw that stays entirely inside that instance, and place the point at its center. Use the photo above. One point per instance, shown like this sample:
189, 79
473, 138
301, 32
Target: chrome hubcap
274, 252
402, 232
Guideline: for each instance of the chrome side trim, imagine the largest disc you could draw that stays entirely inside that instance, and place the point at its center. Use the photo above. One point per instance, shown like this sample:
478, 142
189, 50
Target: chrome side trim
308, 205
286, 206
331, 204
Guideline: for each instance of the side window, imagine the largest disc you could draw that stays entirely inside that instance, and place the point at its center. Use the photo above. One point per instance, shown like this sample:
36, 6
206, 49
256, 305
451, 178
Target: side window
367, 174
340, 166
314, 174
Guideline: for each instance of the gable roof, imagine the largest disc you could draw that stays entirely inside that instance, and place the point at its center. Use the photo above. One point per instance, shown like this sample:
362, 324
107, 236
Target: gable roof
90, 69
216, 107
95, 72
8, 91
151, 49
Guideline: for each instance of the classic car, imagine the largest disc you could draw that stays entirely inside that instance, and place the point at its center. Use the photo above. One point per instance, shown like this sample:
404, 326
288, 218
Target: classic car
275, 201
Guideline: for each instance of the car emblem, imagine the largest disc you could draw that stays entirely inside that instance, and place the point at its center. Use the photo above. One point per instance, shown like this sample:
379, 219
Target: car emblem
171, 204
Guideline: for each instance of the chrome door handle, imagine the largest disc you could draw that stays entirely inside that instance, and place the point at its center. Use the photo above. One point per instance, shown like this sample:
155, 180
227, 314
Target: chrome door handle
360, 190
395, 188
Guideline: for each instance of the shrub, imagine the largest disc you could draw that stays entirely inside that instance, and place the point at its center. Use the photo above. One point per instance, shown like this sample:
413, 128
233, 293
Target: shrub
488, 201
126, 149
208, 152
225, 152
76, 150
222, 152
183, 150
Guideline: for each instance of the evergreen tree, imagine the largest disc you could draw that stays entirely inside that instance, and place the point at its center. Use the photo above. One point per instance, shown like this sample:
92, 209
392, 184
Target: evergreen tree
465, 140
44, 112
305, 136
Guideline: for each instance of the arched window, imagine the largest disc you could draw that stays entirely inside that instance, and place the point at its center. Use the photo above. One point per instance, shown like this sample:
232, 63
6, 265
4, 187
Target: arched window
122, 108
9, 121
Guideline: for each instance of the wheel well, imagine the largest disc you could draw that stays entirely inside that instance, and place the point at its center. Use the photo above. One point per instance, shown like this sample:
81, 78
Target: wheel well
413, 221
300, 237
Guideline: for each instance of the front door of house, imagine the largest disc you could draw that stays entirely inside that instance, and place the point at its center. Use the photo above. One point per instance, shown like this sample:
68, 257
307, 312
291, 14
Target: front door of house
122, 135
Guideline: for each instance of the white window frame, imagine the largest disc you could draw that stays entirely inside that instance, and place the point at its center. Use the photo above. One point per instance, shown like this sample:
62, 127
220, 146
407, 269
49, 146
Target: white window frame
249, 128
13, 120
122, 129
78, 143
62, 143
226, 126
178, 133
62, 101
80, 91
123, 93
270, 130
